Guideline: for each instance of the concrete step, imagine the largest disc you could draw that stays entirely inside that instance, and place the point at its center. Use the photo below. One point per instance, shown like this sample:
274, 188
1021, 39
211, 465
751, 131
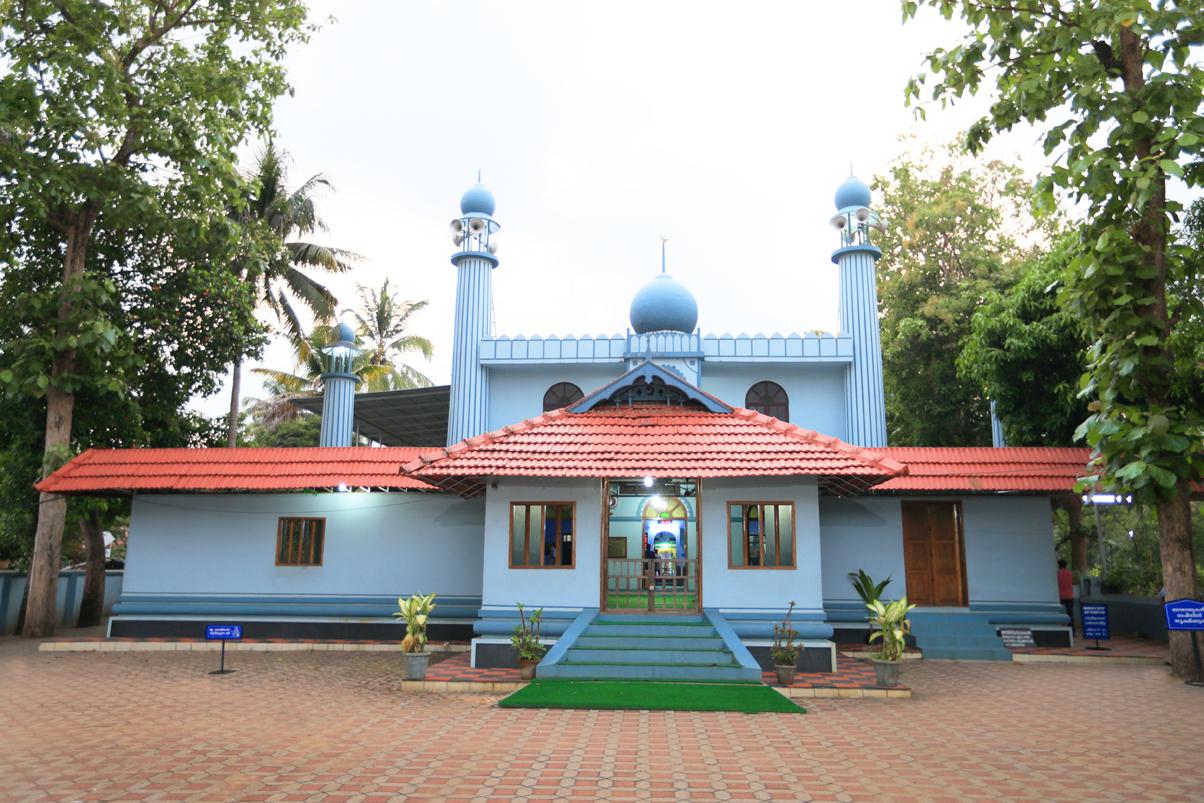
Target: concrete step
648, 672
651, 642
649, 656
690, 630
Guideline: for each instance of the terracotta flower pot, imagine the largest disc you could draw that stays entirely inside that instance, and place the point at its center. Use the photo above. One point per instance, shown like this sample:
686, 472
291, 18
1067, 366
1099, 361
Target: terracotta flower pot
415, 664
887, 672
526, 668
785, 673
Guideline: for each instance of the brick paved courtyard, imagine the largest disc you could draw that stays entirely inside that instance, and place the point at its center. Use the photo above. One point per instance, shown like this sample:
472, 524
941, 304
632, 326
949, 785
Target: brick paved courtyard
332, 726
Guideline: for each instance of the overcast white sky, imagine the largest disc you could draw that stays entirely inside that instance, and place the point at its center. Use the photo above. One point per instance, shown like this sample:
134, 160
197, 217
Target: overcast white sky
600, 127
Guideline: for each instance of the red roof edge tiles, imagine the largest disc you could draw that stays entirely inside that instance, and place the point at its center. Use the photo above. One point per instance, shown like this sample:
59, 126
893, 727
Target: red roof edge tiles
973, 469
106, 471
653, 440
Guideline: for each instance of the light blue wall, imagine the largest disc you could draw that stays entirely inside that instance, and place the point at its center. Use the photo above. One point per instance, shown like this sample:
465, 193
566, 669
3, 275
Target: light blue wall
578, 587
1009, 547
816, 391
376, 544
760, 589
516, 391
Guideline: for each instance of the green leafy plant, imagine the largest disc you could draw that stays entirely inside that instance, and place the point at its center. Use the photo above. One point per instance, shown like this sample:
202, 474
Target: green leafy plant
865, 586
784, 650
415, 611
526, 636
891, 625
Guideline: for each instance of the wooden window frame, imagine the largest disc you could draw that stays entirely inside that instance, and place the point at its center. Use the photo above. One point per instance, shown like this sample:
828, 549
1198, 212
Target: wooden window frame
757, 407
762, 504
543, 505
280, 533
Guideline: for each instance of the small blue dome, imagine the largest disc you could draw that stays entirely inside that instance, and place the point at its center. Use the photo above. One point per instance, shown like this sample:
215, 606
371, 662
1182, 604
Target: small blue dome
663, 305
853, 192
344, 333
477, 201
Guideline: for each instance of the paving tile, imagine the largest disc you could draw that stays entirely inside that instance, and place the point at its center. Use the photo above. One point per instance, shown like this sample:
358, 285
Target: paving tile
335, 725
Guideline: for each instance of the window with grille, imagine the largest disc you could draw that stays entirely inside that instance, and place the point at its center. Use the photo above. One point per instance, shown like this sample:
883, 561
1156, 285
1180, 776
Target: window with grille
769, 398
541, 535
562, 394
300, 542
761, 535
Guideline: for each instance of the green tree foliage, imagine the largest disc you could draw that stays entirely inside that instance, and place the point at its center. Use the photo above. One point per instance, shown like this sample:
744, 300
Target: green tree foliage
382, 321
1116, 86
957, 231
277, 275
133, 111
303, 429
1027, 352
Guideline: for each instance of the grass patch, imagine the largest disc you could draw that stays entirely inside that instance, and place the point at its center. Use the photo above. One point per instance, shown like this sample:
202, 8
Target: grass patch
641, 695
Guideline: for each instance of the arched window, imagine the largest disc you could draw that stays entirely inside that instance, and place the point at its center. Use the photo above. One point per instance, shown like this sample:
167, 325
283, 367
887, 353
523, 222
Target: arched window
768, 398
562, 394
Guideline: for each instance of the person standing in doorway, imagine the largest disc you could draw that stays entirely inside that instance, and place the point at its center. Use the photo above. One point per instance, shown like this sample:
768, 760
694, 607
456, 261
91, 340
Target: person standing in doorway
1066, 591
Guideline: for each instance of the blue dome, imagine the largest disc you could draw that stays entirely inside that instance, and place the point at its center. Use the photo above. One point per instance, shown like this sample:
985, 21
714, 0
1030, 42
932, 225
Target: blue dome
663, 305
344, 333
853, 192
477, 201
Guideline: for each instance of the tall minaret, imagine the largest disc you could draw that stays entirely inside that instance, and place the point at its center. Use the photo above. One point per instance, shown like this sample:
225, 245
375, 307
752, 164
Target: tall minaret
475, 261
338, 395
865, 402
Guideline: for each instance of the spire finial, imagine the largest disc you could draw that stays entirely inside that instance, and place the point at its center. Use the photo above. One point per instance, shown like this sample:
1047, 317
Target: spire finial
479, 172
664, 241
850, 170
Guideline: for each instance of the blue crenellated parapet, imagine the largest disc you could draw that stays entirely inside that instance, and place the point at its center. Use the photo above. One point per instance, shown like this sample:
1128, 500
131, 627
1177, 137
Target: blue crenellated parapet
741, 348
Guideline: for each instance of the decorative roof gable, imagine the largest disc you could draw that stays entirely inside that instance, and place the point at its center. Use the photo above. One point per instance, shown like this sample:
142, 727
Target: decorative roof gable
649, 383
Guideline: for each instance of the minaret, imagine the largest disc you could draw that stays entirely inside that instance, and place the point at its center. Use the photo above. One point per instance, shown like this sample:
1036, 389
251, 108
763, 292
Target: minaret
338, 382
475, 261
865, 402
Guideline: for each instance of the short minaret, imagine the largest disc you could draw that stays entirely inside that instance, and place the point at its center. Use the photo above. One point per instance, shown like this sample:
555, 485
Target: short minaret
339, 381
472, 232
865, 402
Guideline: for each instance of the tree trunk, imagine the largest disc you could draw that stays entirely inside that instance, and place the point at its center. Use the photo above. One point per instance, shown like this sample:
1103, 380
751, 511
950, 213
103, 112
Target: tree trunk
45, 562
1179, 574
1073, 505
235, 392
92, 607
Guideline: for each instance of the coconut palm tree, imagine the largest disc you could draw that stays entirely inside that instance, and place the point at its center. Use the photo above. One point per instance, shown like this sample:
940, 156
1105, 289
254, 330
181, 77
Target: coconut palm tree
279, 279
382, 320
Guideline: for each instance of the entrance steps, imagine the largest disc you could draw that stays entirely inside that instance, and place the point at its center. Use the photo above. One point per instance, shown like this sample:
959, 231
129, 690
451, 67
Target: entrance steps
957, 635
636, 647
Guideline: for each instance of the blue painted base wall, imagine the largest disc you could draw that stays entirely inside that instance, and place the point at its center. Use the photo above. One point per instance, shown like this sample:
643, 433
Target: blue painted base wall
70, 594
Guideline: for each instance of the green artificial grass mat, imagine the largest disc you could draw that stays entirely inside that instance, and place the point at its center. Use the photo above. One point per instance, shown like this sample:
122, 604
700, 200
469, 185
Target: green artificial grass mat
639, 601
641, 695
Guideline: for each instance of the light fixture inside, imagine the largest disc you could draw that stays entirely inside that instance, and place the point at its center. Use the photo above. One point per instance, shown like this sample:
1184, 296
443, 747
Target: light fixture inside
648, 482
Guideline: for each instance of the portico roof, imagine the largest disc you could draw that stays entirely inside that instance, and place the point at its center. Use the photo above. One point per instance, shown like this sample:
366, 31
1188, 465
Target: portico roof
654, 440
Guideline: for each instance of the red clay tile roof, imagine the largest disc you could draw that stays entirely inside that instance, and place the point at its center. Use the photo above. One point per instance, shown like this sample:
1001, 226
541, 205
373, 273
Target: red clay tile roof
985, 469
653, 440
254, 469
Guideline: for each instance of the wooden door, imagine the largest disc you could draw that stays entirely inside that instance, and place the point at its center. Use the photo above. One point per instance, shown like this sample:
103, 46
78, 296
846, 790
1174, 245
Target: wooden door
932, 553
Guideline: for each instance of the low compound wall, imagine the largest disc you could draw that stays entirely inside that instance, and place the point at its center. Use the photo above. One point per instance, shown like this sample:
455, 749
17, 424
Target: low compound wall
70, 594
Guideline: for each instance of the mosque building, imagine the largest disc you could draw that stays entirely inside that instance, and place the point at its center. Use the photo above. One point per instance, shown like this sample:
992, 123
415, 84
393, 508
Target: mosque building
662, 472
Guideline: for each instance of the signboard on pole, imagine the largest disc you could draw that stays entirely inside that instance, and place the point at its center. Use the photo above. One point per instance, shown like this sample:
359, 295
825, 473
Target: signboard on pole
1184, 614
1095, 622
223, 633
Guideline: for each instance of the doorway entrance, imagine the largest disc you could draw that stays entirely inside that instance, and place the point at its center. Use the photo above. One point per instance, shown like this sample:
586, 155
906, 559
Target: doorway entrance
933, 554
652, 558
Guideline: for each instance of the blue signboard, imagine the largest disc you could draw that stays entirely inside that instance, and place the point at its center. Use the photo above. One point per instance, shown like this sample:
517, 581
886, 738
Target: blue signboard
223, 632
1185, 614
1095, 621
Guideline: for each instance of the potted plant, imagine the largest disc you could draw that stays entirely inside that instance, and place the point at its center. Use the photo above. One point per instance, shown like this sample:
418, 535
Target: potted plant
415, 611
527, 644
866, 588
785, 651
892, 626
